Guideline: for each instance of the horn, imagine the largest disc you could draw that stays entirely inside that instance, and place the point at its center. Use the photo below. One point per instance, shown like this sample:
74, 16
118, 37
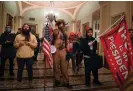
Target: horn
66, 23
55, 19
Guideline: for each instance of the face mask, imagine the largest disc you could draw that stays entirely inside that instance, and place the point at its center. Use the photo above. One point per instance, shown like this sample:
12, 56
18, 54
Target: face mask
8, 30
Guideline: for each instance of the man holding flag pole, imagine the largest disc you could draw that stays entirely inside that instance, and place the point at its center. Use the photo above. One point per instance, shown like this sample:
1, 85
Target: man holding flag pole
60, 64
117, 47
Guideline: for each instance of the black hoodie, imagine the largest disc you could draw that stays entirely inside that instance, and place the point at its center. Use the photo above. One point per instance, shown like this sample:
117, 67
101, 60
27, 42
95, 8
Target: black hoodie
86, 48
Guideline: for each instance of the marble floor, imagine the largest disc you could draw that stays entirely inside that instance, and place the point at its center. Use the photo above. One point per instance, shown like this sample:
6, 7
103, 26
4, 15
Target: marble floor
41, 76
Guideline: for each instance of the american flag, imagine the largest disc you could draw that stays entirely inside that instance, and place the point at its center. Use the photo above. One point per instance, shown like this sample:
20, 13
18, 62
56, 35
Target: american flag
46, 46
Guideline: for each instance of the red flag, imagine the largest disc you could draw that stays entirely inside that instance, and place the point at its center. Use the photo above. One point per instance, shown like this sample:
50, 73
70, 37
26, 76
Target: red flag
118, 51
47, 51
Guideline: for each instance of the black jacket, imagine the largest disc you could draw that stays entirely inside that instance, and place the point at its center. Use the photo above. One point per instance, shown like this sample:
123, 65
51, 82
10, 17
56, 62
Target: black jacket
93, 61
7, 50
86, 48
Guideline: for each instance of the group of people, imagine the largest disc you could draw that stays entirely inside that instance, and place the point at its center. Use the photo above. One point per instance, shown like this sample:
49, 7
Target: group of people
71, 47
23, 45
20, 46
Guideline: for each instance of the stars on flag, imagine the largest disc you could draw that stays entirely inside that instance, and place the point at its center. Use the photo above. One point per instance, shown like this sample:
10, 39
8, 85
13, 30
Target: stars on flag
111, 60
112, 63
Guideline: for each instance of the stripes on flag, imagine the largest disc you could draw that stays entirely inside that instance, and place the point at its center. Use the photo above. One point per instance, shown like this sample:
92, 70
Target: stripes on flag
47, 51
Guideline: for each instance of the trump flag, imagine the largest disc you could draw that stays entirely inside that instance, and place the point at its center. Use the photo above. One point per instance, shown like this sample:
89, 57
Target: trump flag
119, 52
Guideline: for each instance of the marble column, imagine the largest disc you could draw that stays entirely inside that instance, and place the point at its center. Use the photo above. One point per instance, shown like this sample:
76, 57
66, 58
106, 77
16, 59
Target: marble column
17, 23
73, 22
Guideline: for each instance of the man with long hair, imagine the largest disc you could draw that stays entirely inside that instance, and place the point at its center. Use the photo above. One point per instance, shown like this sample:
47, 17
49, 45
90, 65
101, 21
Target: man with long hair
25, 43
60, 63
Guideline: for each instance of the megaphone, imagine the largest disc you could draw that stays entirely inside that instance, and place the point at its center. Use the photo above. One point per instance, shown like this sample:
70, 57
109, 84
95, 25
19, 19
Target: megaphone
53, 49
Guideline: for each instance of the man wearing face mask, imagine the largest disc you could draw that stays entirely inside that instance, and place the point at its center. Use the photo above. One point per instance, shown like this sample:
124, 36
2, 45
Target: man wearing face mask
25, 42
8, 51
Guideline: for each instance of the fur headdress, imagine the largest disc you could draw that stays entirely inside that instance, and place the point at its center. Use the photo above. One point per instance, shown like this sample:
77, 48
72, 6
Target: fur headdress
59, 21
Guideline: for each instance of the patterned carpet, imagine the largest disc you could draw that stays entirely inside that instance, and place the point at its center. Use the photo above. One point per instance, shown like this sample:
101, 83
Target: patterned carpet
8, 83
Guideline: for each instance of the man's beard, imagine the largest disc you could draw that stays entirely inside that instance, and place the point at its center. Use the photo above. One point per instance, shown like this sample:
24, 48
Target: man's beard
26, 33
61, 28
88, 37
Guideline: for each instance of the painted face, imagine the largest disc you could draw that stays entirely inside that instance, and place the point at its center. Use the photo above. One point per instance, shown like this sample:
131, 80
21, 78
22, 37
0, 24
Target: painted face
61, 26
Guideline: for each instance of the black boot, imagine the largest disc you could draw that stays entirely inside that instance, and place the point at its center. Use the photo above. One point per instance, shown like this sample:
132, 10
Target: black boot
1, 74
87, 84
56, 83
97, 83
67, 85
11, 73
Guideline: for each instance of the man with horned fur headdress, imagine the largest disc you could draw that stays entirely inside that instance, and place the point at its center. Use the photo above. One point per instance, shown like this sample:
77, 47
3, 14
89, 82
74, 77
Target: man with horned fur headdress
60, 63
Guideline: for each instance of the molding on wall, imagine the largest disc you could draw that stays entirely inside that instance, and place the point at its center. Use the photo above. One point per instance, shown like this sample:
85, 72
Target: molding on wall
73, 21
104, 20
102, 2
21, 17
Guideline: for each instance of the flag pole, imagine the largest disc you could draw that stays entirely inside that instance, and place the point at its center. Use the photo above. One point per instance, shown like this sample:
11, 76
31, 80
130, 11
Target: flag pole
108, 28
112, 25
44, 71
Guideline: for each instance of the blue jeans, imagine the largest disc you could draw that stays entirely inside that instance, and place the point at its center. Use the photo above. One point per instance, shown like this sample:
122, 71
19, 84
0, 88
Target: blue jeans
21, 62
3, 61
71, 56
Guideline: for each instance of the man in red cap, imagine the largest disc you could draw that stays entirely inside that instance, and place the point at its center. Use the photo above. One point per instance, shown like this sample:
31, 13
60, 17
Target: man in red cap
89, 48
70, 53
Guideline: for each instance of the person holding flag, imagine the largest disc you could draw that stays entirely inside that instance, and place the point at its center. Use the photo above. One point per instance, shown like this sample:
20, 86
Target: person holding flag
89, 48
118, 49
60, 62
